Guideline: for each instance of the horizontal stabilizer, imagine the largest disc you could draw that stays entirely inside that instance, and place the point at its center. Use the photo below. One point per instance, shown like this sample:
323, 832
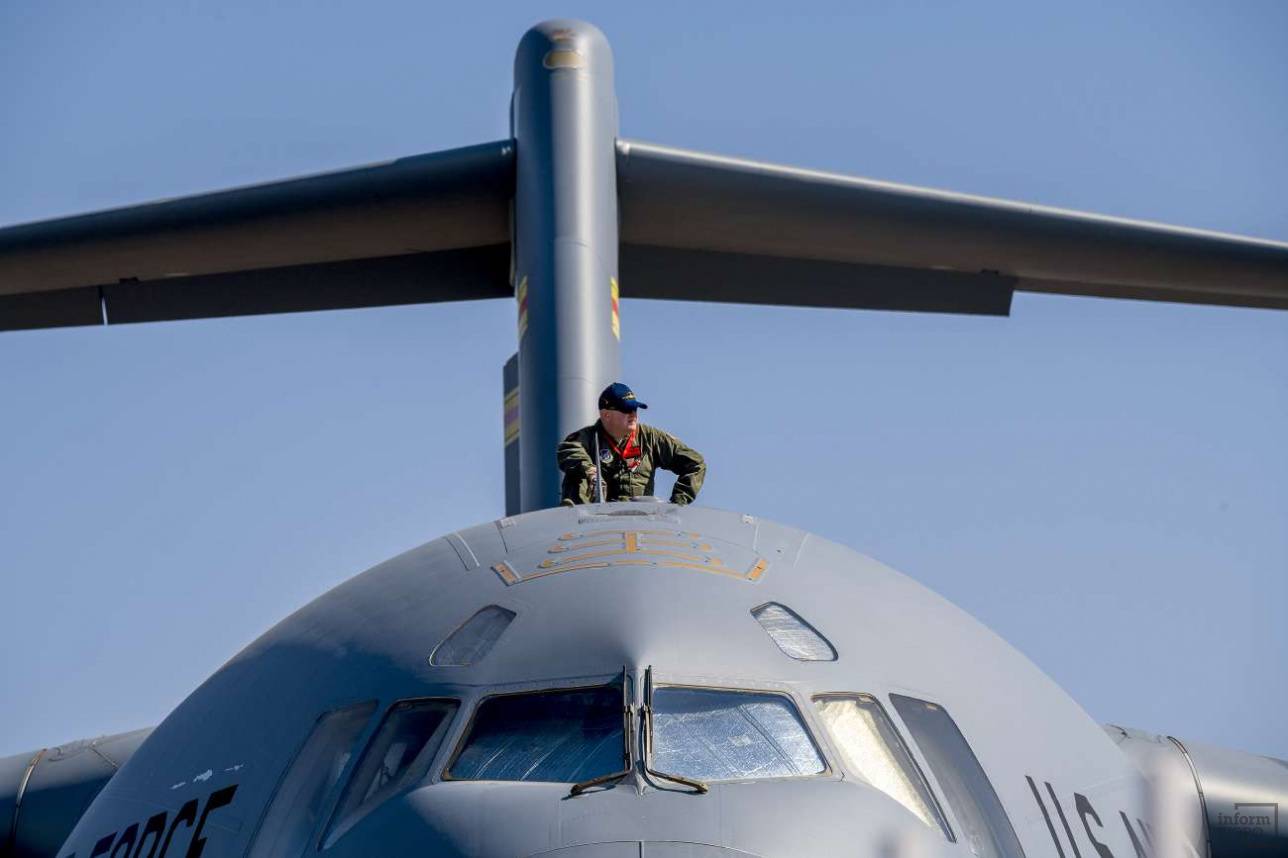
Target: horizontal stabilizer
428, 228
706, 227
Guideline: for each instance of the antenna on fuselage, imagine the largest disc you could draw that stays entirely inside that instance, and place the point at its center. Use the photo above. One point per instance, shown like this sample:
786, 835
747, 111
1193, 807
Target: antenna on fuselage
599, 475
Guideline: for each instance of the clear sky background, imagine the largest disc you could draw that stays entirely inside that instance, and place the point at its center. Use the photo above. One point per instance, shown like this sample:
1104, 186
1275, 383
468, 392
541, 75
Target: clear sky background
1105, 484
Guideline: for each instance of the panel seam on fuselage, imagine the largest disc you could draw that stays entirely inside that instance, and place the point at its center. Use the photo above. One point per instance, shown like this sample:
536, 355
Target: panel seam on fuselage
17, 799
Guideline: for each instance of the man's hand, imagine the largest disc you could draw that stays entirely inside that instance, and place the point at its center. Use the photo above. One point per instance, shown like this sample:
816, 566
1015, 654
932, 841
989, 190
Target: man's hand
591, 471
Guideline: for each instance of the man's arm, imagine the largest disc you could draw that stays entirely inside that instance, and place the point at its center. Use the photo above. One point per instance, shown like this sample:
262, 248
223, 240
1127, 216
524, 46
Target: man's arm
578, 468
573, 456
684, 461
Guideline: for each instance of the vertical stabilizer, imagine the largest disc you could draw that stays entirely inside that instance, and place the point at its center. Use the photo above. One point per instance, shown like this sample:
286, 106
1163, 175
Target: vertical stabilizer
564, 121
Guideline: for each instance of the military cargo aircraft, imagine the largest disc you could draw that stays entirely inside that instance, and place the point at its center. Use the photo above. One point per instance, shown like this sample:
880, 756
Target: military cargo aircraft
635, 678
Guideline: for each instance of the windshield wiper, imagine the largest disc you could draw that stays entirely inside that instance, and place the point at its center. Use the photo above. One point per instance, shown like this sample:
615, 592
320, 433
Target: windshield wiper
698, 787
628, 734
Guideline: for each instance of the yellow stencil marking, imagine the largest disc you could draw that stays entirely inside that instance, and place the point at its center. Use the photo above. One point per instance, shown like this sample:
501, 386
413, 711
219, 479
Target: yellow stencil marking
604, 549
689, 558
508, 575
569, 537
671, 543
597, 564
719, 570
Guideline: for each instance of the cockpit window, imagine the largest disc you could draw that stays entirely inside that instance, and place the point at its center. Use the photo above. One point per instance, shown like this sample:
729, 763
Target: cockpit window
399, 755
715, 735
980, 815
297, 805
558, 736
795, 637
473, 639
873, 748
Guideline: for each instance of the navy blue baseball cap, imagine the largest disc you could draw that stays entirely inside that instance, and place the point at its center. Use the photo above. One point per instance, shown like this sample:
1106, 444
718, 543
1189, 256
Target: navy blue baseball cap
619, 397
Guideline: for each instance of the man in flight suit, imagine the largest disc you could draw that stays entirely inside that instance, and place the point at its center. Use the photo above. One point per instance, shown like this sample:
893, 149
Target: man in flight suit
629, 452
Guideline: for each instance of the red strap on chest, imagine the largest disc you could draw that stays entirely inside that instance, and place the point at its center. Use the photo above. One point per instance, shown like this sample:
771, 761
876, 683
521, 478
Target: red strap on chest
629, 451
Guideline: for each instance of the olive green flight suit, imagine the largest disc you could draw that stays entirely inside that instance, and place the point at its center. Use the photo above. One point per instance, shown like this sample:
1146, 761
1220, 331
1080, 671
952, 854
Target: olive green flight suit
658, 449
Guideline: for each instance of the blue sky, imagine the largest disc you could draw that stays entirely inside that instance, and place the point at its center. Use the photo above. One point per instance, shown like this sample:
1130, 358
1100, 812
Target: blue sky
1105, 484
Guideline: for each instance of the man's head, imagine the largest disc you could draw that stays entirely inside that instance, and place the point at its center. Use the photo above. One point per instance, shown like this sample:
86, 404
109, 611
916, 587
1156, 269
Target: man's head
619, 410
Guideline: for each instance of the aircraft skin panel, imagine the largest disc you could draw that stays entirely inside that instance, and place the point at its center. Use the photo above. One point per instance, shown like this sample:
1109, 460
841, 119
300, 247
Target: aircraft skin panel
420, 205
676, 198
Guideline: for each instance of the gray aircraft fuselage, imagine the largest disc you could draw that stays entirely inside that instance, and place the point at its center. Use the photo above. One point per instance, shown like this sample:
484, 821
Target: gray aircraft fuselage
620, 593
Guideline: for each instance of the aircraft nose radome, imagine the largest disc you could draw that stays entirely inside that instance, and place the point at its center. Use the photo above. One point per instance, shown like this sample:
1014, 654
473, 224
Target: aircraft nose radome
643, 849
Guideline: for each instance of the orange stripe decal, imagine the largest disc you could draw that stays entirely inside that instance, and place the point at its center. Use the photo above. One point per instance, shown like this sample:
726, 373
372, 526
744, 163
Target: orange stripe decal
511, 410
617, 313
522, 295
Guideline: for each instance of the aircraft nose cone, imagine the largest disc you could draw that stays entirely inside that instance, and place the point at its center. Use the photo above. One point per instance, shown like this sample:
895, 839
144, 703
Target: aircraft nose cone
642, 849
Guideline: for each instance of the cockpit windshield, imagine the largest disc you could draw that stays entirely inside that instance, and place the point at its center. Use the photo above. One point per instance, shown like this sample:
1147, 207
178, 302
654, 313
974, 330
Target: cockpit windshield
559, 736
715, 735
691, 736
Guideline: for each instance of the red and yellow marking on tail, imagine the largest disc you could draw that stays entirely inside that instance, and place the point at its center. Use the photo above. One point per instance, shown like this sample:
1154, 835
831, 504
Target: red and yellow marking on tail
521, 295
617, 310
